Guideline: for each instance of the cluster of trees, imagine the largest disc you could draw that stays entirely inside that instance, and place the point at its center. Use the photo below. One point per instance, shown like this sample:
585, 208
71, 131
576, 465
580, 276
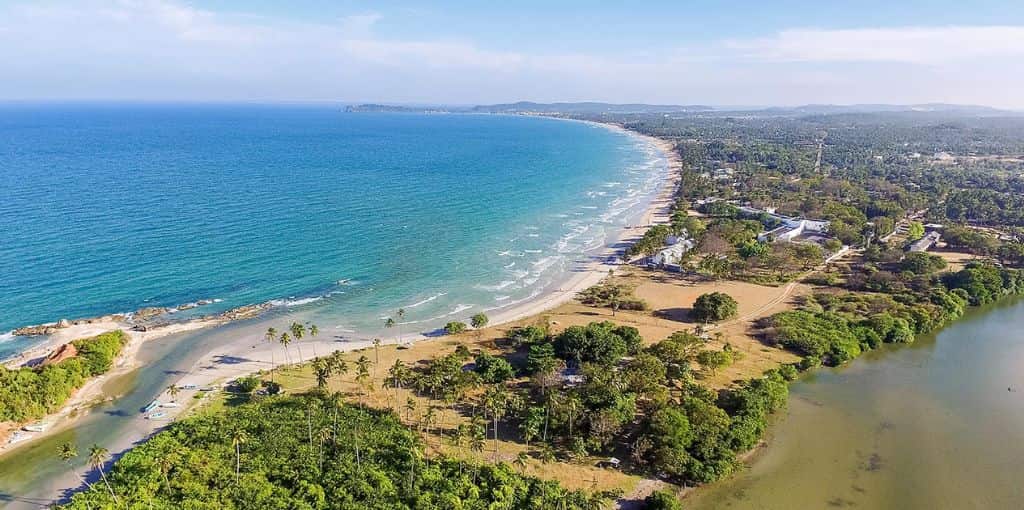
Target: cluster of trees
309, 452
835, 328
595, 389
32, 392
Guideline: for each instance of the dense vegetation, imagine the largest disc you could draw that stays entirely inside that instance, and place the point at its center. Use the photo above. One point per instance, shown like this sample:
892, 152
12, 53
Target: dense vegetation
309, 452
30, 393
836, 327
596, 390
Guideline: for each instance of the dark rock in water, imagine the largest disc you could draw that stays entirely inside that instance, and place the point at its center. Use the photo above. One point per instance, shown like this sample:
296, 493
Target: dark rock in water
148, 313
42, 329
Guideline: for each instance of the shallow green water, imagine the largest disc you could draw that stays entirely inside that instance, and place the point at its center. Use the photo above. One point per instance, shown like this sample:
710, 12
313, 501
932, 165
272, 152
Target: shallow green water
936, 425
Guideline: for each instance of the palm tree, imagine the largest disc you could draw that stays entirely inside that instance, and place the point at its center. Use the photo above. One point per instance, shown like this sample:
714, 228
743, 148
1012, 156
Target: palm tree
173, 390
284, 340
478, 439
428, 419
362, 374
313, 332
97, 457
298, 331
410, 406
164, 463
322, 370
401, 316
520, 461
238, 438
271, 336
398, 373
497, 401
389, 323
337, 362
324, 434
67, 452
376, 352
547, 453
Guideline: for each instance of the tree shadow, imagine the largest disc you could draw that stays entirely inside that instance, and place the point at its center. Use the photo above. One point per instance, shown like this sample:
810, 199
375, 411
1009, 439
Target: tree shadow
679, 314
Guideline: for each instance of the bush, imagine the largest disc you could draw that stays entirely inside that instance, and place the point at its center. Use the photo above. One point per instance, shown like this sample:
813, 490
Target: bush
826, 335
713, 307
493, 369
528, 335
598, 342
479, 320
662, 500
454, 327
247, 384
714, 360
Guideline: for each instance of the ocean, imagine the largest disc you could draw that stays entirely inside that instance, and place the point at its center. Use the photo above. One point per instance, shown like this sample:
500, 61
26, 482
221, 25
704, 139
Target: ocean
107, 208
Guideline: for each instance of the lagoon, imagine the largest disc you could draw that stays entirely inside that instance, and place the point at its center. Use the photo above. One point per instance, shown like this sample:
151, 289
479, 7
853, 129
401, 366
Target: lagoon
938, 424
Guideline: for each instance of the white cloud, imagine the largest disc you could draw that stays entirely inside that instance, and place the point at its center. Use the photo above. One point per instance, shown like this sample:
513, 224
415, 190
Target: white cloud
166, 49
922, 45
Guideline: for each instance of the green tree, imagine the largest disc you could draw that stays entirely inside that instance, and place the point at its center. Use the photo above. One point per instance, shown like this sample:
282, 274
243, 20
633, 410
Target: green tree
714, 307
915, 230
454, 327
662, 500
97, 458
238, 438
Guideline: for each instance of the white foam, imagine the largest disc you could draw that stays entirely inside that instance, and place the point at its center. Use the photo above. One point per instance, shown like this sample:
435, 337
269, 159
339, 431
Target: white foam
290, 302
533, 251
7, 337
518, 274
460, 308
491, 288
427, 300
501, 298
512, 264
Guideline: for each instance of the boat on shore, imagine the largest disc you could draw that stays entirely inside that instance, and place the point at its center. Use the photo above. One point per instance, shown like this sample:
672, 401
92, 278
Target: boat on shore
156, 416
149, 407
35, 427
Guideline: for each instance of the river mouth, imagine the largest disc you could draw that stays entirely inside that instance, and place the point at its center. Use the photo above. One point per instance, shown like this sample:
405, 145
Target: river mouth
937, 424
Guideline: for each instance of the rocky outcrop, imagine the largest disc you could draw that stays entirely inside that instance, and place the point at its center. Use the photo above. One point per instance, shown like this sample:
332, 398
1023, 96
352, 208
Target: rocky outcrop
62, 353
243, 312
147, 319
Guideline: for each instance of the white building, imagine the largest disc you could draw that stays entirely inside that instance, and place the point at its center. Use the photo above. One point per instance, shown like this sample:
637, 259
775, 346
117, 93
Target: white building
673, 254
792, 228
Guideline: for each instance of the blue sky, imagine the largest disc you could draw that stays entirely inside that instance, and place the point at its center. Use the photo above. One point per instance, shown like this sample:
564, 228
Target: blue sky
709, 52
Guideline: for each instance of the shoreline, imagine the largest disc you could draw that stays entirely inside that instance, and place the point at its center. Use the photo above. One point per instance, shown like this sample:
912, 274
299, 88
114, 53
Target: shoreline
250, 353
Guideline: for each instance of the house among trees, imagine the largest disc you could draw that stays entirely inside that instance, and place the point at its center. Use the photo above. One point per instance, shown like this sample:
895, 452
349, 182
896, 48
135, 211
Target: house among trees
673, 254
793, 228
926, 242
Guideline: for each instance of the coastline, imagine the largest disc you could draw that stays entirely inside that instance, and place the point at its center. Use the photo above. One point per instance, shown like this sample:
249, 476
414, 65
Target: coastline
250, 354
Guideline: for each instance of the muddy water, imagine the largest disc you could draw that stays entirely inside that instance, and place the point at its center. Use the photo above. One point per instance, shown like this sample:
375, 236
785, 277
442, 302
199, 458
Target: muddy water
936, 425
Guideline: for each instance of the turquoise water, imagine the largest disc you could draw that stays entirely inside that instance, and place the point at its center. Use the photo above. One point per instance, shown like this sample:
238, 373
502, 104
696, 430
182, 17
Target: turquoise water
109, 208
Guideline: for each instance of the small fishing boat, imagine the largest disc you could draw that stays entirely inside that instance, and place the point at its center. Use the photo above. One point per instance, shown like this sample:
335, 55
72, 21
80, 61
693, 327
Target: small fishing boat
170, 405
156, 416
152, 405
